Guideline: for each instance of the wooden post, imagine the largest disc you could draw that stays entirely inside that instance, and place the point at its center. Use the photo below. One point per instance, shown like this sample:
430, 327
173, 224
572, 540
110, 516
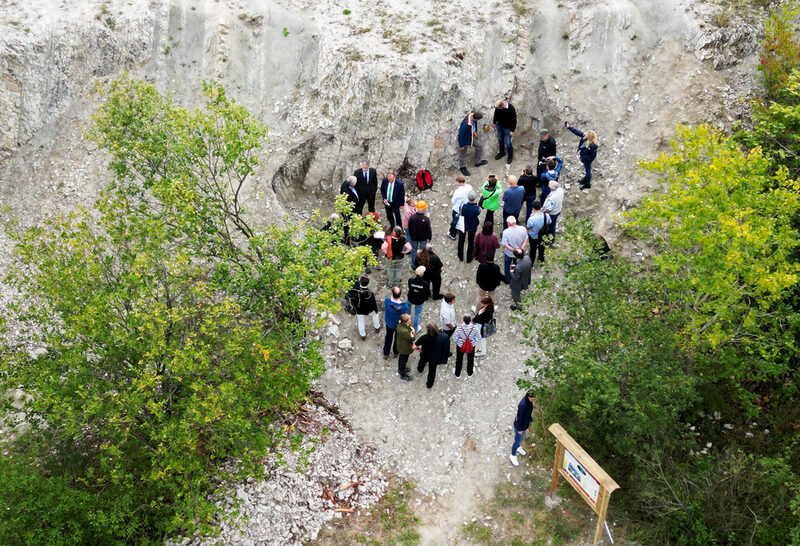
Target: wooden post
602, 508
556, 467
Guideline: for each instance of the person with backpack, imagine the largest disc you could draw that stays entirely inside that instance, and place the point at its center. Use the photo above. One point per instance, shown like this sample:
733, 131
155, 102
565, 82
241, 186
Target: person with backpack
419, 291
587, 151
538, 227
466, 337
394, 248
363, 302
393, 307
471, 213
434, 350
490, 197
405, 342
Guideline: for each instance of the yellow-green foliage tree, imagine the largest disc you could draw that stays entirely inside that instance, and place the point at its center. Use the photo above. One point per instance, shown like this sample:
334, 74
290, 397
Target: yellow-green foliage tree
160, 334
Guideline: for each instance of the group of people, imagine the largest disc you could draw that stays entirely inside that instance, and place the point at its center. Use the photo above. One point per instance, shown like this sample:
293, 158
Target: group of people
531, 205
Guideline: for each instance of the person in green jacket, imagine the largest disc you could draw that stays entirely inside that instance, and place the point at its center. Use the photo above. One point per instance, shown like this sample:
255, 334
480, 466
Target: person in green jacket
490, 197
405, 338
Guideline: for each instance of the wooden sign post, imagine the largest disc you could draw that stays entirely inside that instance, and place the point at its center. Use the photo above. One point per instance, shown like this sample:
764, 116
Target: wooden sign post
583, 474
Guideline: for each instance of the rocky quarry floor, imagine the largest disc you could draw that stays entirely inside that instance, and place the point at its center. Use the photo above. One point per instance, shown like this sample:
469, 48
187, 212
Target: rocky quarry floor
388, 80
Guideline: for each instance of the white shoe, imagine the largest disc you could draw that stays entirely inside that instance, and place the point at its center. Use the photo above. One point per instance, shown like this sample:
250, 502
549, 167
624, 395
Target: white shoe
474, 309
514, 459
521, 451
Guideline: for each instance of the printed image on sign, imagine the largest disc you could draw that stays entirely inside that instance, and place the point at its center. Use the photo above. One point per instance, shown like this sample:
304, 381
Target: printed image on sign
580, 476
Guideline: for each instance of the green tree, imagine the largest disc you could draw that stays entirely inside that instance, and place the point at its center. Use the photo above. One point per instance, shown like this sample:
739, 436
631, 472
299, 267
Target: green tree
170, 331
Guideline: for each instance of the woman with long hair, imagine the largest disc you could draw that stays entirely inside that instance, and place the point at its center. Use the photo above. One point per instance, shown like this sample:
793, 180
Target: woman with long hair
433, 270
587, 148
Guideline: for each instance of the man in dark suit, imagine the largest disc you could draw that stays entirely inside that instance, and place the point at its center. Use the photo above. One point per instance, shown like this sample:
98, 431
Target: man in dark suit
349, 189
366, 185
393, 194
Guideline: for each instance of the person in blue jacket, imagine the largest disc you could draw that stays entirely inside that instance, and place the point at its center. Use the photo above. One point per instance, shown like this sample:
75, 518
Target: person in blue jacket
471, 213
393, 307
468, 136
521, 424
553, 166
587, 149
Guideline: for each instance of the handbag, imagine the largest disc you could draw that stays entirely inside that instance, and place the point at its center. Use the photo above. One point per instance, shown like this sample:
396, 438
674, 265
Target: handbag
460, 224
480, 348
490, 328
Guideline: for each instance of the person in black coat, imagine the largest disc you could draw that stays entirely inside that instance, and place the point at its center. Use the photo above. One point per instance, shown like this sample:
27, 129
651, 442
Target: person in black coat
433, 270
471, 213
484, 313
393, 194
349, 189
530, 183
547, 148
488, 277
419, 291
505, 123
363, 300
434, 350
366, 185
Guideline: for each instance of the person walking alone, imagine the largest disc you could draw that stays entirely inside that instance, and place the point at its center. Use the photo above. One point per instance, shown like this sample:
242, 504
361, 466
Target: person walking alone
587, 151
521, 423
505, 123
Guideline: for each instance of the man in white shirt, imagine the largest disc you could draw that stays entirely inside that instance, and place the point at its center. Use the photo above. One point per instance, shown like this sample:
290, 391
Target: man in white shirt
460, 198
552, 206
514, 236
447, 314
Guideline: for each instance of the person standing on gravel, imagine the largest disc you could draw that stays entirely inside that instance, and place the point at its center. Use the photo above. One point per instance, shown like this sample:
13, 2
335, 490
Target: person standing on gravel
552, 206
552, 172
367, 185
434, 350
419, 291
471, 213
490, 197
587, 150
419, 230
447, 314
538, 226
365, 305
349, 189
408, 211
405, 341
459, 199
463, 333
488, 277
393, 193
547, 148
394, 248
521, 424
514, 236
468, 136
486, 242
433, 270
505, 123
520, 278
530, 183
512, 200
393, 307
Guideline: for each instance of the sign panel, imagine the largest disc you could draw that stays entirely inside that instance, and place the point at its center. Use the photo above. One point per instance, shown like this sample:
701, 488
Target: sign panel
580, 476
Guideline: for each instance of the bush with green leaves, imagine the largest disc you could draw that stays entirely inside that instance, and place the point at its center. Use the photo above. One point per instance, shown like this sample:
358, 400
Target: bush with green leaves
161, 334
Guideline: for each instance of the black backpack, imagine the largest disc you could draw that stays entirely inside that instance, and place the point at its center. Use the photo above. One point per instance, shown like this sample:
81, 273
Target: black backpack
349, 304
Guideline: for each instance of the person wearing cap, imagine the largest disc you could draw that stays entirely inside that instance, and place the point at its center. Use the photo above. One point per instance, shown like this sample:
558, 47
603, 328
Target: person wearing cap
468, 136
490, 197
471, 213
419, 291
552, 206
367, 185
512, 200
547, 148
514, 237
521, 423
505, 123
419, 231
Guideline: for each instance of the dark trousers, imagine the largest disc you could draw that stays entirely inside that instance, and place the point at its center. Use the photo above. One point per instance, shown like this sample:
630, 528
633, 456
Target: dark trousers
587, 166
387, 341
436, 287
393, 215
529, 206
460, 361
537, 247
423, 360
370, 197
489, 216
541, 167
470, 235
453, 223
402, 361
506, 214
553, 220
